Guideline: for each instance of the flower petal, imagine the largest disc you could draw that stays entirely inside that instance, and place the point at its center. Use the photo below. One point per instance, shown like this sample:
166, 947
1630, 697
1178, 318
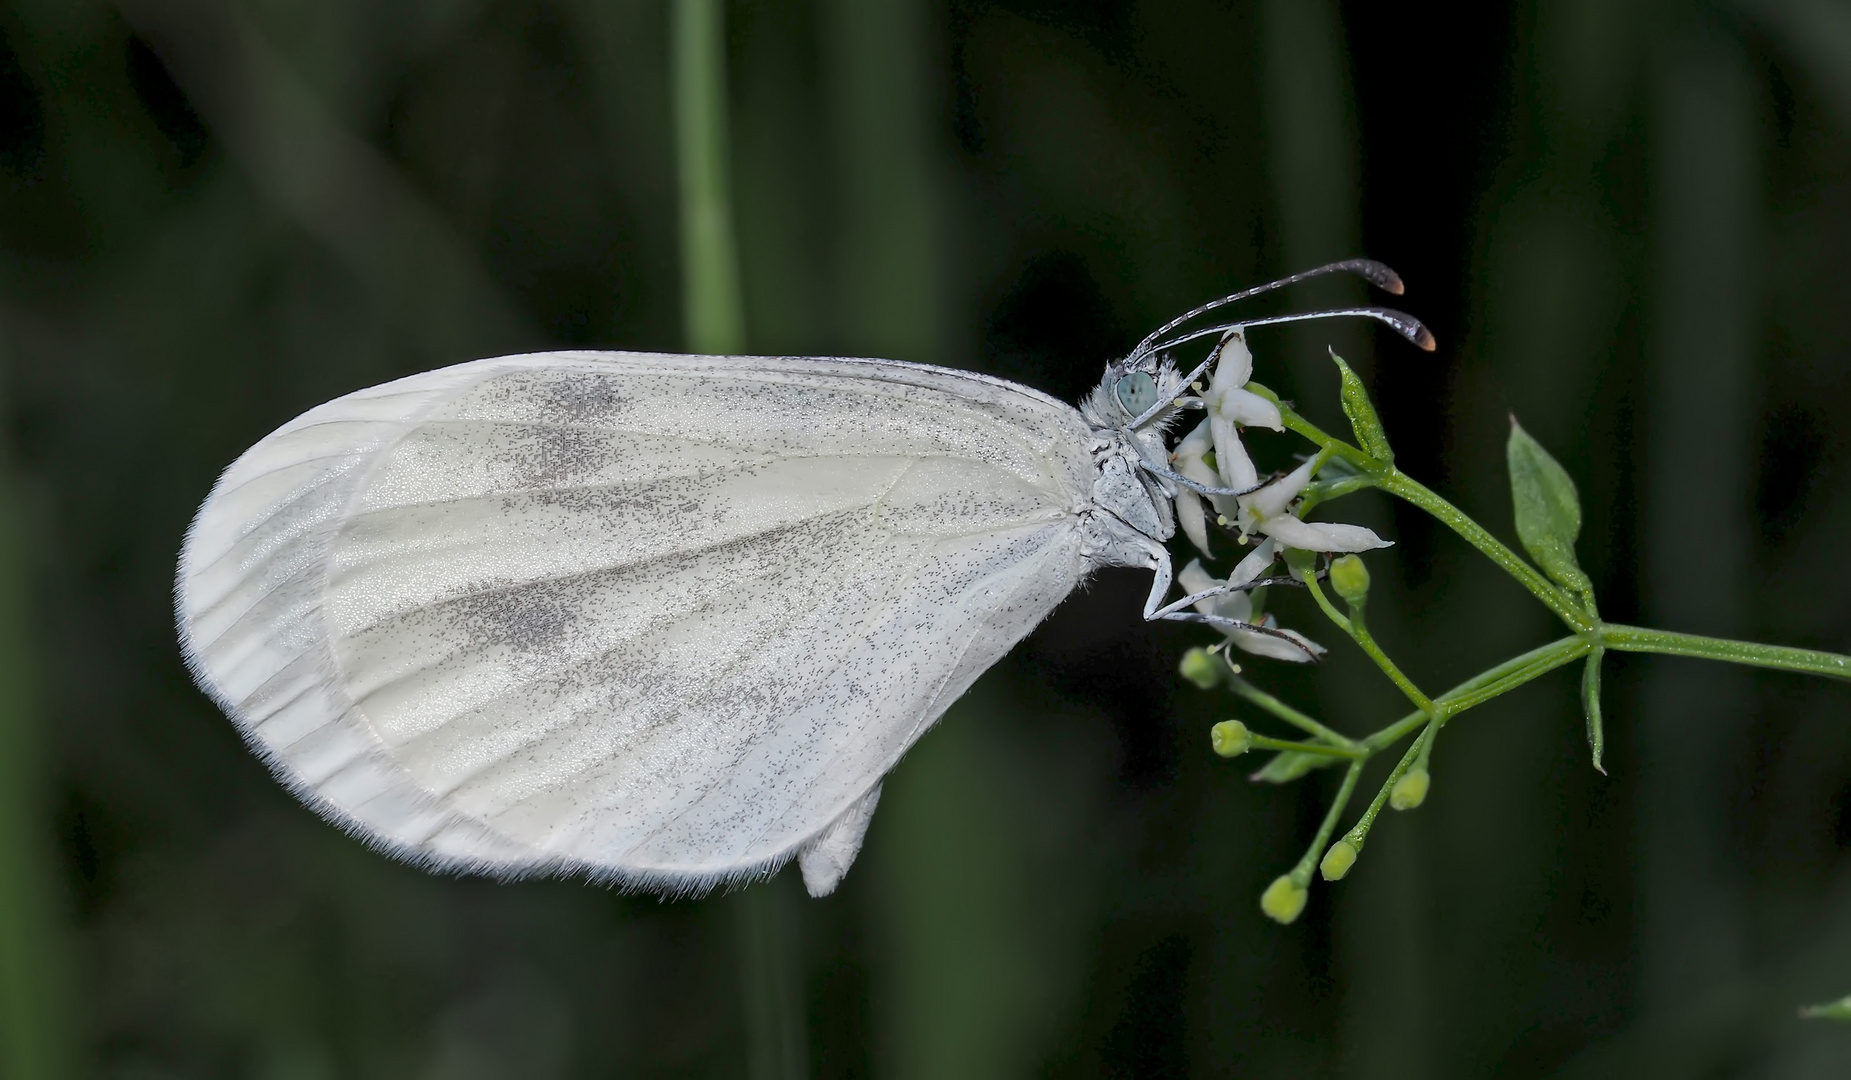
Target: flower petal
1193, 445
1272, 499
1299, 650
1194, 578
1321, 536
1249, 408
1233, 364
1237, 469
1256, 563
1192, 519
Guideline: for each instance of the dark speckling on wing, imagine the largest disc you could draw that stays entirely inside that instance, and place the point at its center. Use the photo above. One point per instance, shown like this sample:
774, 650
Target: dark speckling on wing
658, 619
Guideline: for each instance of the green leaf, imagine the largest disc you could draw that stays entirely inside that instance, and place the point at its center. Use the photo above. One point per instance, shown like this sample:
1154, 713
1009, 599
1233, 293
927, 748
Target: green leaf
1361, 411
1548, 511
1288, 765
1831, 1010
1590, 705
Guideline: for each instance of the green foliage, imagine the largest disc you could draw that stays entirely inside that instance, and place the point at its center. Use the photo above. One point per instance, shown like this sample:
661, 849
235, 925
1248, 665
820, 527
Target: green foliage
1290, 765
187, 266
1548, 512
1361, 411
1590, 705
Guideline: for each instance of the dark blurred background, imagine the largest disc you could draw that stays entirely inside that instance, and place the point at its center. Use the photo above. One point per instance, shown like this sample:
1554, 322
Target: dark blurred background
1627, 222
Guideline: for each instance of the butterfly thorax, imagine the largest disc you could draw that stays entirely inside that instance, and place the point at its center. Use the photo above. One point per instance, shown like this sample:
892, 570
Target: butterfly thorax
1131, 509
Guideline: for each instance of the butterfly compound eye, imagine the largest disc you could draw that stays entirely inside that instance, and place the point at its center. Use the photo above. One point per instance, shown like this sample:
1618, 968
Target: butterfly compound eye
1137, 392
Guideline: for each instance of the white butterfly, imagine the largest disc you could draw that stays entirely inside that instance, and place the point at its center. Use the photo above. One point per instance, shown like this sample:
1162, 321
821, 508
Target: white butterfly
664, 621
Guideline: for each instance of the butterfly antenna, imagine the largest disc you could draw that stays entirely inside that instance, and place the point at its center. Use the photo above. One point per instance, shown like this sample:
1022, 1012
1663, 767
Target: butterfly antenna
1400, 321
1369, 270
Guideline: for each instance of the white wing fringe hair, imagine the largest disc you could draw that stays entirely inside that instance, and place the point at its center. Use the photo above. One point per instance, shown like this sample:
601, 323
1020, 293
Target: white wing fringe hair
664, 621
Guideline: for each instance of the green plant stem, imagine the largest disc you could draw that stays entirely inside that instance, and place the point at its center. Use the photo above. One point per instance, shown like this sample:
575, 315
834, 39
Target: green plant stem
1354, 626
1488, 684
1399, 484
1332, 490
1301, 874
1287, 713
1670, 643
1359, 833
1262, 742
1402, 486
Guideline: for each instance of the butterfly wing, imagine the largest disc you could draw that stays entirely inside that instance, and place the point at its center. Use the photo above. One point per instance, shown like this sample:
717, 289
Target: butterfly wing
660, 619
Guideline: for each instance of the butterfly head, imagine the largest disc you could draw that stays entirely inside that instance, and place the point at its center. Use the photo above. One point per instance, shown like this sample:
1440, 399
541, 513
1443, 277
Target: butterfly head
1139, 387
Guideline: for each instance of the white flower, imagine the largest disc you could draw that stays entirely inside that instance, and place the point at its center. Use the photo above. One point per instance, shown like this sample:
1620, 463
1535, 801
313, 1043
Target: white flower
1265, 511
1229, 404
1280, 644
1187, 459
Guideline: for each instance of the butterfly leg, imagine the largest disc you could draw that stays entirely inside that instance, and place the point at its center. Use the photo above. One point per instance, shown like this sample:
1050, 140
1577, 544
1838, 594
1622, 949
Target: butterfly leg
1162, 575
1169, 610
1196, 486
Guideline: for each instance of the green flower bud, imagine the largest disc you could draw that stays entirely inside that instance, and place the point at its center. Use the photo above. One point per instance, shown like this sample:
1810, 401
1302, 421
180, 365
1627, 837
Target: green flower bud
1338, 860
1230, 738
1350, 578
1201, 667
1411, 790
1283, 900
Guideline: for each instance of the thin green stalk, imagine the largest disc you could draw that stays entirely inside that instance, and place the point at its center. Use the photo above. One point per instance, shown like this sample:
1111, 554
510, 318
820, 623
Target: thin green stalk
1488, 684
1779, 657
1354, 626
1359, 833
764, 923
1262, 742
1325, 491
1301, 874
1292, 716
1402, 486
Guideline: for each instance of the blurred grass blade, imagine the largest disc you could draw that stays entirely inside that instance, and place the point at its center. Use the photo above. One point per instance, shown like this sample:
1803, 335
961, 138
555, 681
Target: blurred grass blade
766, 923
1817, 34
766, 917
710, 260
34, 1033
1831, 1010
422, 279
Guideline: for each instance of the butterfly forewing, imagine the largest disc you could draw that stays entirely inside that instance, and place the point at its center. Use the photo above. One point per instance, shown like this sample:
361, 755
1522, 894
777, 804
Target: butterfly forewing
657, 618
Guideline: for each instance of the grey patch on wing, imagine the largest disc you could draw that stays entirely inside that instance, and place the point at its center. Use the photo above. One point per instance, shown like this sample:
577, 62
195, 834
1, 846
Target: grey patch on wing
557, 456
571, 397
532, 618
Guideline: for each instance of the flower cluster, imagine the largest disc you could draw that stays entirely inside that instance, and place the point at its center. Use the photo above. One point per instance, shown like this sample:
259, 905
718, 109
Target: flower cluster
1214, 455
